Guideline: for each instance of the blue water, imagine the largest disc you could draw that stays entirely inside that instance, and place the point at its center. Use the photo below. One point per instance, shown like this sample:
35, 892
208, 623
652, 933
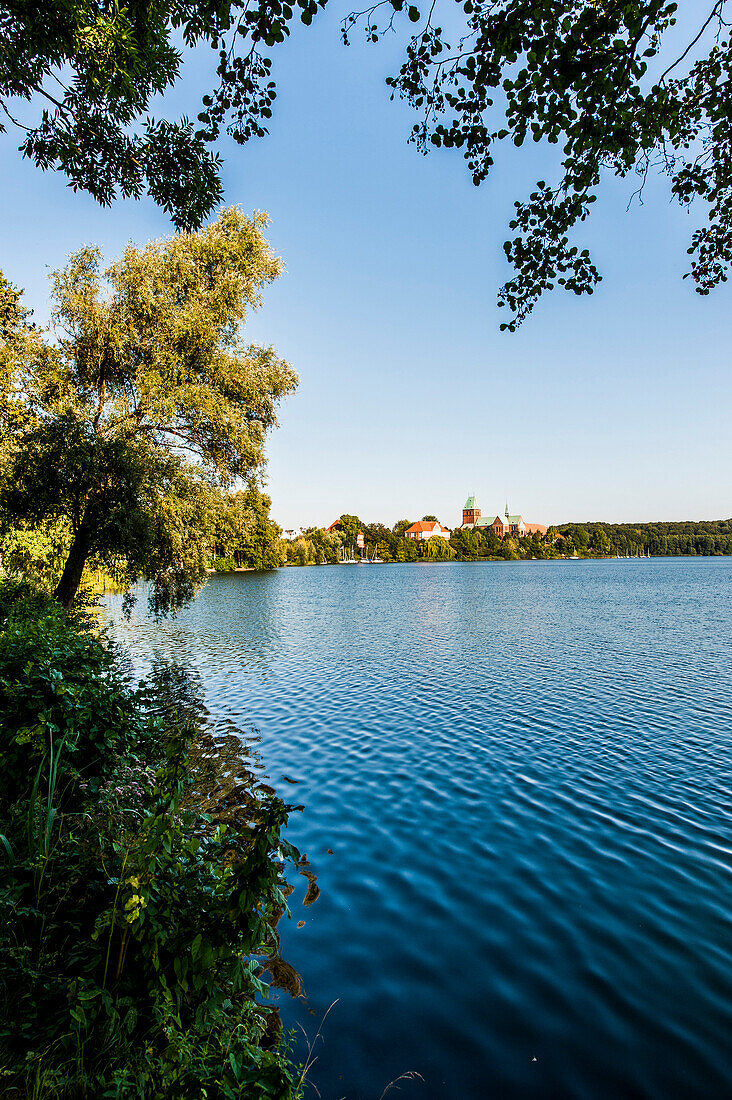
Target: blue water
523, 772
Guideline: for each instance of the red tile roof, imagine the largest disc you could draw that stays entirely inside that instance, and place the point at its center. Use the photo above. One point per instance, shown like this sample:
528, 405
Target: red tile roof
425, 525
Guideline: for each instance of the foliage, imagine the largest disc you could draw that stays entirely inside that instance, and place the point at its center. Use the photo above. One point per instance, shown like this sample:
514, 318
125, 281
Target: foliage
705, 538
437, 549
224, 565
36, 551
94, 69
133, 923
617, 87
243, 533
401, 526
146, 405
315, 547
567, 540
349, 527
259, 544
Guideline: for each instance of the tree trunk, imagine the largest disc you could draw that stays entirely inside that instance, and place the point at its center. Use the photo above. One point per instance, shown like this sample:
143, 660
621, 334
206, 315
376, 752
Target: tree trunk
71, 577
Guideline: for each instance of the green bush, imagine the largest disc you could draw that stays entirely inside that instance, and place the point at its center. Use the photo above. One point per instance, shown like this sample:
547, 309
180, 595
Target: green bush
224, 565
134, 918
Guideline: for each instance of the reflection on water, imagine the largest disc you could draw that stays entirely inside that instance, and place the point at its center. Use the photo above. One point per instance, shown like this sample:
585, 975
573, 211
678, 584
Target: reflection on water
226, 788
522, 773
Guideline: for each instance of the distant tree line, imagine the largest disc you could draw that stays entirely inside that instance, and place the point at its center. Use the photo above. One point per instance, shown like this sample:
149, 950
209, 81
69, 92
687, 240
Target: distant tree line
705, 538
316, 546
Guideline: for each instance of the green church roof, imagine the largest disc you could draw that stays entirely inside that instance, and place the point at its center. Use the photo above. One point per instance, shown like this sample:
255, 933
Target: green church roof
469, 504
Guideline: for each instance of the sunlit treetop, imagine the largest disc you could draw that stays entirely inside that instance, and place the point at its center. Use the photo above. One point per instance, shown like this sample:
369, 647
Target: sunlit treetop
143, 401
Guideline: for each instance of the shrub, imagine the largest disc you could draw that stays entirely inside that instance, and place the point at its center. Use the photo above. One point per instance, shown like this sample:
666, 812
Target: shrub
224, 565
134, 924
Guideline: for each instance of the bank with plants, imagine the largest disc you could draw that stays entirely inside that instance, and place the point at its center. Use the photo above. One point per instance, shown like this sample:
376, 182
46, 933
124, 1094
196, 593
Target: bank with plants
139, 899
141, 872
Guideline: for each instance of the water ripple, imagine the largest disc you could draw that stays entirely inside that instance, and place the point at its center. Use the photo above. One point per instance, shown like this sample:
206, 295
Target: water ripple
523, 774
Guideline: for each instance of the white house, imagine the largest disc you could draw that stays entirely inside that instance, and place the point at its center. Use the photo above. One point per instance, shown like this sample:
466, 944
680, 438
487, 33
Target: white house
426, 529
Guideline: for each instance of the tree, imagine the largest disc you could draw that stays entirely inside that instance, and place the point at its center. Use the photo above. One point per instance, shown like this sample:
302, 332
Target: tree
407, 550
148, 400
599, 541
438, 549
243, 531
401, 526
614, 85
430, 519
261, 546
349, 528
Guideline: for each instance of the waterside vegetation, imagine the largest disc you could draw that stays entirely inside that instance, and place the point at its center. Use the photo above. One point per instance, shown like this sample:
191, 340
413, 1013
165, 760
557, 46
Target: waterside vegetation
141, 879
141, 866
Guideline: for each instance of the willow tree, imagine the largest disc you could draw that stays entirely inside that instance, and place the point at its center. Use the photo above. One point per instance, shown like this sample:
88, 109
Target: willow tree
146, 402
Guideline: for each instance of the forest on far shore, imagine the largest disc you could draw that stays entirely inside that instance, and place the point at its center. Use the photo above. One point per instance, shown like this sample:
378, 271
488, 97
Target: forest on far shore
316, 546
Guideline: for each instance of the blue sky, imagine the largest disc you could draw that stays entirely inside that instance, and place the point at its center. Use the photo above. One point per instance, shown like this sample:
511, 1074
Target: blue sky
614, 407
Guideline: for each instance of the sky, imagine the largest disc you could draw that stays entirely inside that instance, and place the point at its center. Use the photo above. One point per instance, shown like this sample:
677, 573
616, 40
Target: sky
614, 407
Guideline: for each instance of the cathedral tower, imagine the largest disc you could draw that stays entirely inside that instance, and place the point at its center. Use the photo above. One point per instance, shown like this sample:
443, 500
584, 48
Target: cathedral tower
471, 511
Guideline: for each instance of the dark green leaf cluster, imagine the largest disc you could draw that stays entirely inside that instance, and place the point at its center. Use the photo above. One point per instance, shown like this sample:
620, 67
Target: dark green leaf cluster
139, 892
609, 86
224, 565
95, 67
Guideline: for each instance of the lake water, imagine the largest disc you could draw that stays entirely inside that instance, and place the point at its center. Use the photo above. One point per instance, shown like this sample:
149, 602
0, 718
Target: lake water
523, 772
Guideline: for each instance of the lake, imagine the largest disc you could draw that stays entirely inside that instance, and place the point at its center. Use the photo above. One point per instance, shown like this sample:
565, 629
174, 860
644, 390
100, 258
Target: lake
523, 773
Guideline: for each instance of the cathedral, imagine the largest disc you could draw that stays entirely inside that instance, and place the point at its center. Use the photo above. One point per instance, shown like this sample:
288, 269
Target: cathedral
501, 525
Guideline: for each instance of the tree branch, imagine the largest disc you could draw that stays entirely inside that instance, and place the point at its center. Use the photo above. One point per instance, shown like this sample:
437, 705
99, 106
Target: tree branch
716, 10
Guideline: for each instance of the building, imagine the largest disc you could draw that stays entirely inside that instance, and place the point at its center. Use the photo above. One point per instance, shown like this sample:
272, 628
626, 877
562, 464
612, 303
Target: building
506, 524
471, 512
426, 529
